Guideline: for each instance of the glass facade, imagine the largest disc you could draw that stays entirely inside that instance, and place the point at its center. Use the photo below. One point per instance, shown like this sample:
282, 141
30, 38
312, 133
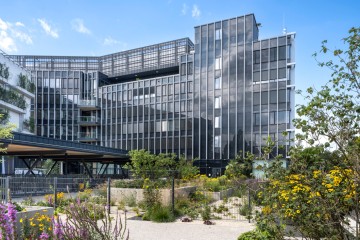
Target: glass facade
209, 100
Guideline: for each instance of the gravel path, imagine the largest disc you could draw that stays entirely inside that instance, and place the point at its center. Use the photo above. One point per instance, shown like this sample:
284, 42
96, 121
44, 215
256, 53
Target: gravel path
223, 229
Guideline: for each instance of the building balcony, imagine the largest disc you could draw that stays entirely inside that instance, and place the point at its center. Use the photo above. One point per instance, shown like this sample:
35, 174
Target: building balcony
87, 137
88, 105
88, 121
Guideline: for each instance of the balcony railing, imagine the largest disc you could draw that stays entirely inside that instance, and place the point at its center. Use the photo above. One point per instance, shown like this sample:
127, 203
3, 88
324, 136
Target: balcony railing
88, 104
87, 136
88, 120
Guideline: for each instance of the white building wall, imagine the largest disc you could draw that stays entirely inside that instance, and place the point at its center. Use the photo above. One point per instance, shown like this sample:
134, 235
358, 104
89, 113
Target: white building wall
17, 116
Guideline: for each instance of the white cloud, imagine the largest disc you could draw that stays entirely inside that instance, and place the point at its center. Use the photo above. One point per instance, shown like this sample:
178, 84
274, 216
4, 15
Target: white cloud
19, 24
9, 33
184, 9
48, 29
196, 11
7, 43
22, 36
3, 25
109, 41
78, 25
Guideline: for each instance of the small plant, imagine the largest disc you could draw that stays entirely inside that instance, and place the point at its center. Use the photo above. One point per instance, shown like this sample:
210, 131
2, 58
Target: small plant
206, 213
82, 224
255, 235
220, 209
159, 213
18, 207
28, 201
130, 200
137, 211
245, 210
121, 205
193, 213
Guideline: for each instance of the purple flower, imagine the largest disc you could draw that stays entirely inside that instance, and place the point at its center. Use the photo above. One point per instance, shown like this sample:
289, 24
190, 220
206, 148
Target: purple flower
11, 212
58, 232
44, 236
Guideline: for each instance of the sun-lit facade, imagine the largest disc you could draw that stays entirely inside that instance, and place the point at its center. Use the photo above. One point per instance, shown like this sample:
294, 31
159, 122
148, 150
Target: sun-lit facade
209, 100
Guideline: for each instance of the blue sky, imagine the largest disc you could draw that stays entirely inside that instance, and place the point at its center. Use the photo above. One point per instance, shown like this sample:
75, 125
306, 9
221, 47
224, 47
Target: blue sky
87, 28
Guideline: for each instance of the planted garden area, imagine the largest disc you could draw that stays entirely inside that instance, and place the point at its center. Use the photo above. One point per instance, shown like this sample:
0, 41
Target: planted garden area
167, 190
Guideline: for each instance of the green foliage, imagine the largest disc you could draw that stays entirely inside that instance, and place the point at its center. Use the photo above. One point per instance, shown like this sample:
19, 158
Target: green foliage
240, 167
48, 164
245, 209
13, 98
24, 82
29, 124
159, 213
5, 132
206, 213
133, 183
321, 187
4, 116
151, 194
4, 71
186, 168
147, 165
256, 235
130, 200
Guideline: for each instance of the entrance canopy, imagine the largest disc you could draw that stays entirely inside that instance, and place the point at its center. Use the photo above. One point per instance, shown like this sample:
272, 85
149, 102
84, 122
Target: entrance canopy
26, 146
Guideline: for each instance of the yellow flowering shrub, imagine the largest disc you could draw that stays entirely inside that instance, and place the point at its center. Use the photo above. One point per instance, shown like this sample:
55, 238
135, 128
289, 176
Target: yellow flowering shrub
33, 227
313, 200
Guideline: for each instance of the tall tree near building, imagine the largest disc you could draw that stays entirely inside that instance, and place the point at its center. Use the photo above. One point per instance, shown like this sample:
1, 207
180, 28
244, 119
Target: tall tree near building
319, 191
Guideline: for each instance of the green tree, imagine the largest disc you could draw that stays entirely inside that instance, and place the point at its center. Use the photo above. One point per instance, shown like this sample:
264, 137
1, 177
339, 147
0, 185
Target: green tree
5, 132
320, 188
148, 165
48, 164
186, 168
240, 167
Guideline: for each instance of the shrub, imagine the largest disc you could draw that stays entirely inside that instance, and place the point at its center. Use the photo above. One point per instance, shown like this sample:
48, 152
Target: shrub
136, 183
130, 200
160, 214
245, 210
206, 213
81, 223
255, 235
33, 228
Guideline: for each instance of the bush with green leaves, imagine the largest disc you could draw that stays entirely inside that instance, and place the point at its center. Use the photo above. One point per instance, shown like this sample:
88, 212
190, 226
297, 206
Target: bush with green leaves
321, 186
256, 235
159, 213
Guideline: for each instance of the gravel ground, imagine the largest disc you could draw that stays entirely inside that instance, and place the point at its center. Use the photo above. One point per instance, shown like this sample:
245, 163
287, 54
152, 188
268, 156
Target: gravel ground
196, 230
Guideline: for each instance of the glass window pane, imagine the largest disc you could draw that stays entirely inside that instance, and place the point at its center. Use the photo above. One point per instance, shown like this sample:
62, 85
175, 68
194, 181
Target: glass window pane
218, 83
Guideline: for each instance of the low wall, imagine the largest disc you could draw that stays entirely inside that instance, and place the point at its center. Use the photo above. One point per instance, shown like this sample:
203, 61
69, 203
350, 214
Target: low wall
123, 194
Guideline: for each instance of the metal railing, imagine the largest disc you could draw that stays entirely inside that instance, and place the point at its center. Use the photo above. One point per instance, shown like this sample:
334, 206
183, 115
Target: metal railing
88, 103
25, 186
87, 135
88, 119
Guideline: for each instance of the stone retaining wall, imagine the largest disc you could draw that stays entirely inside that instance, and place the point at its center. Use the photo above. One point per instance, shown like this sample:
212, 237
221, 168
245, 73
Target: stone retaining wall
124, 194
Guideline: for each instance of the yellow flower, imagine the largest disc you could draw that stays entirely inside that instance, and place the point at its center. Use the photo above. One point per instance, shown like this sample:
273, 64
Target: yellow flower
21, 220
298, 211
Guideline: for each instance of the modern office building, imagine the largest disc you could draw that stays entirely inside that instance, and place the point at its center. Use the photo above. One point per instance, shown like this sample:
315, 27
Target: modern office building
211, 99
